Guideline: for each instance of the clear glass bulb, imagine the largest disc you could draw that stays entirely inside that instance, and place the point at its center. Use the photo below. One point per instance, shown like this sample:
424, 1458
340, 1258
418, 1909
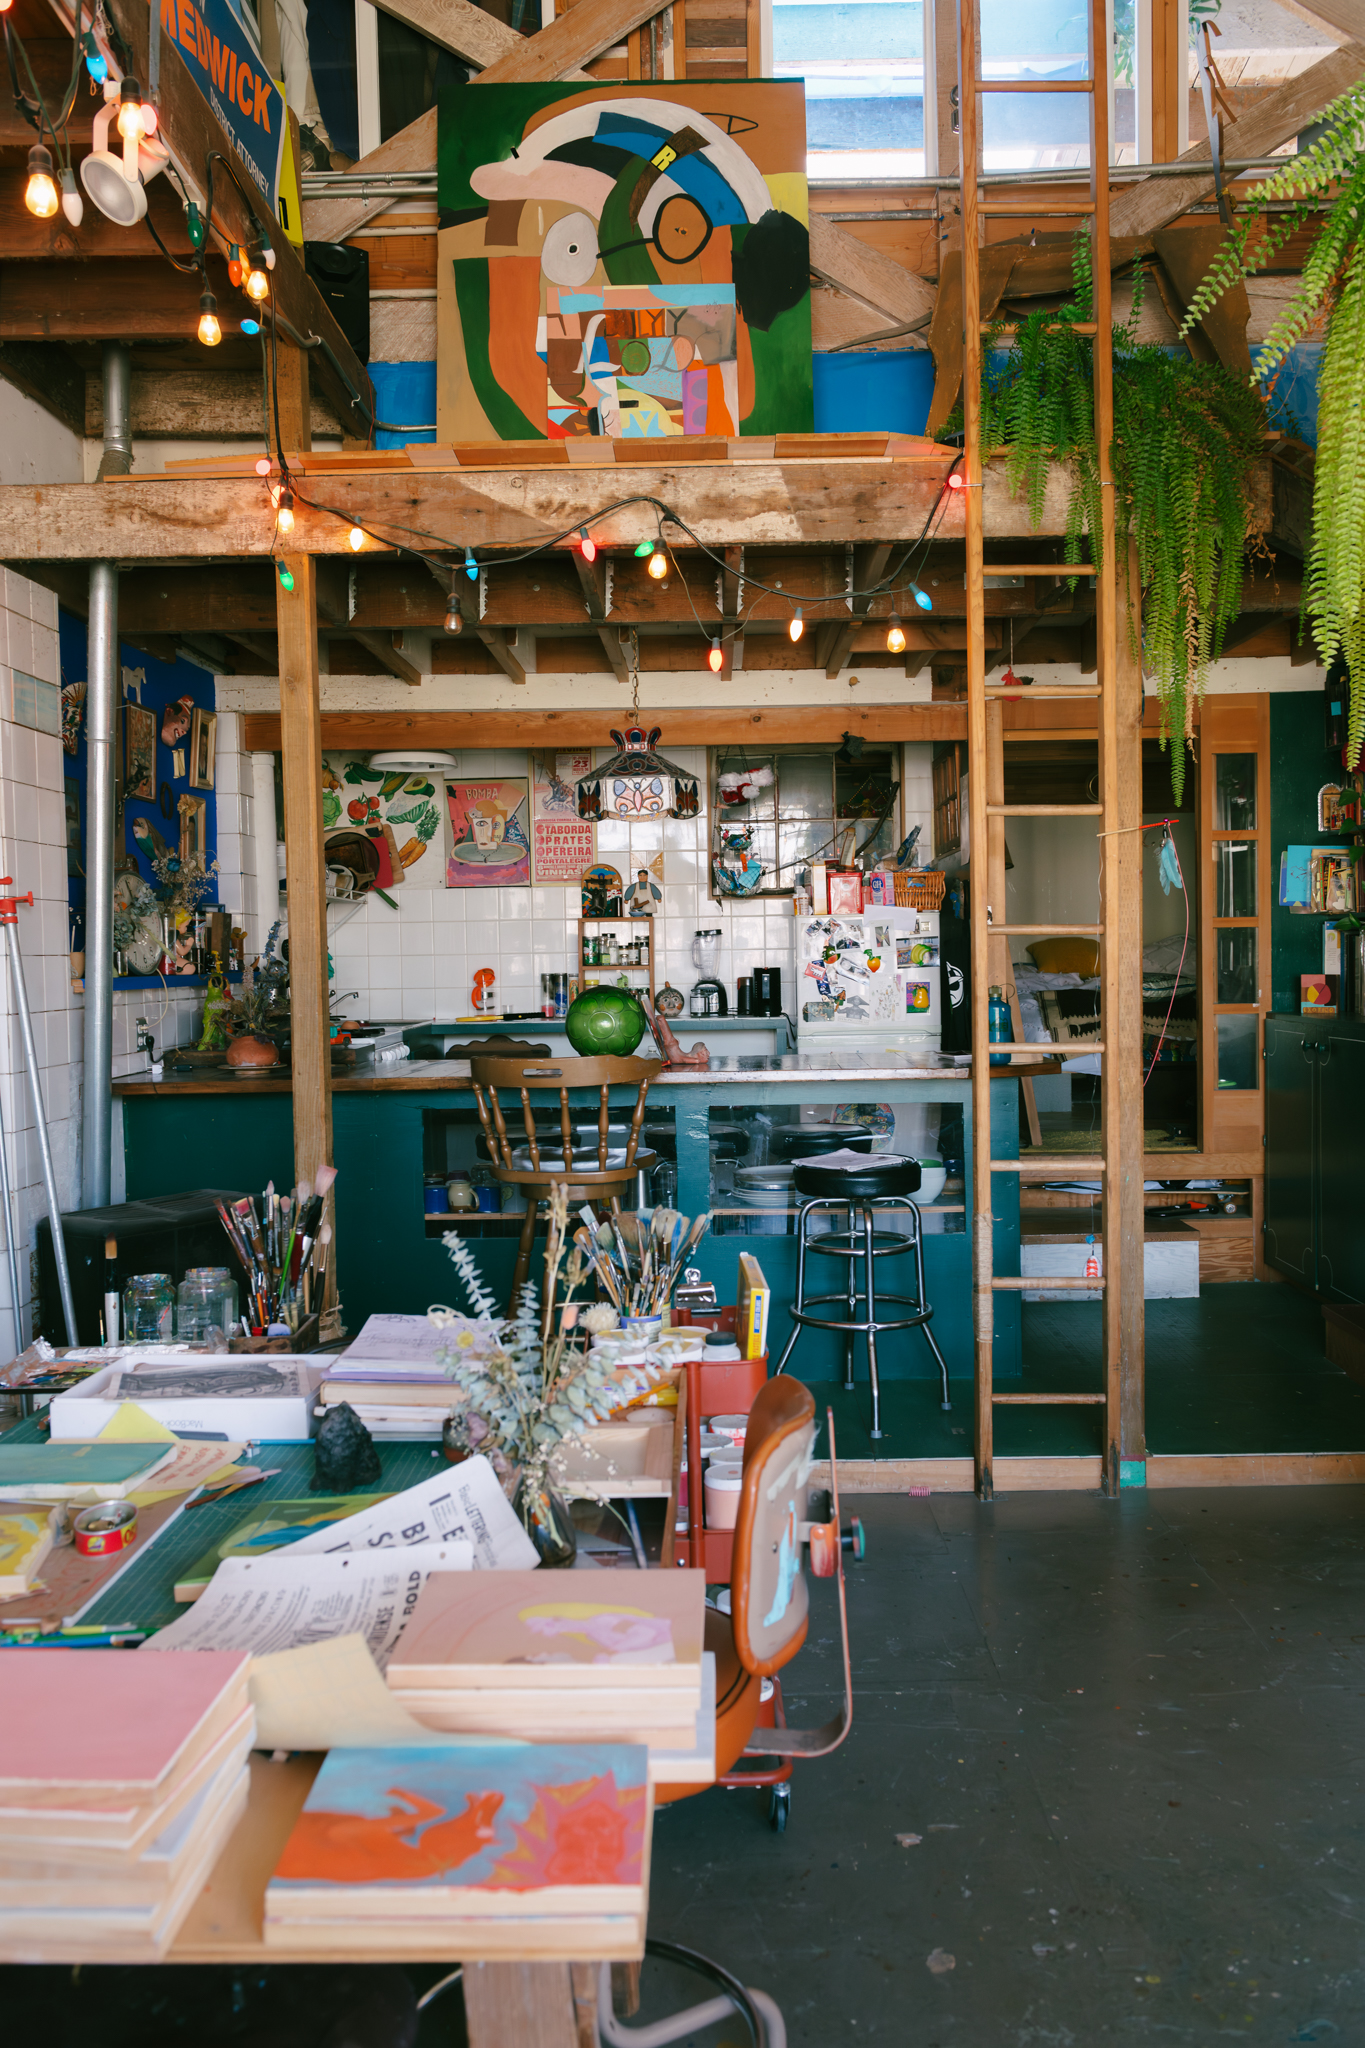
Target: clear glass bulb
796, 626
210, 332
40, 194
284, 514
658, 565
257, 284
130, 119
895, 638
357, 538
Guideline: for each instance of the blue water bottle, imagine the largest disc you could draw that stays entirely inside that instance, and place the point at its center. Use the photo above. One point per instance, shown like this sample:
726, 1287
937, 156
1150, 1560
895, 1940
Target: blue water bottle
999, 1026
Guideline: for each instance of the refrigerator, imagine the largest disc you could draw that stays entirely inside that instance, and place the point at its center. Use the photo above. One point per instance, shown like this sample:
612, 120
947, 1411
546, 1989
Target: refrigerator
870, 983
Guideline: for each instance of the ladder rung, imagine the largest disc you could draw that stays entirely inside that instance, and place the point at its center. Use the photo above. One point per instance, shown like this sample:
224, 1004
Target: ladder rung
1035, 85
1050, 1400
1045, 810
1050, 1169
1024, 695
1046, 931
1011, 1283
1058, 1050
1036, 569
1028, 208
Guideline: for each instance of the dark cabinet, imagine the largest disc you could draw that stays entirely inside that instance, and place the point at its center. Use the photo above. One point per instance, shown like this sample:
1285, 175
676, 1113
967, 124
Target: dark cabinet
1315, 1144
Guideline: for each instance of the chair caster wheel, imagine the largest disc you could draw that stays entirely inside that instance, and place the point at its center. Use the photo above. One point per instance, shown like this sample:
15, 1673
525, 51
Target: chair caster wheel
779, 1808
855, 1540
946, 1406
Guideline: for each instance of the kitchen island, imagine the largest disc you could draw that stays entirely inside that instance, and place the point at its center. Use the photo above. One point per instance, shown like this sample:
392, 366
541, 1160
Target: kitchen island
397, 1125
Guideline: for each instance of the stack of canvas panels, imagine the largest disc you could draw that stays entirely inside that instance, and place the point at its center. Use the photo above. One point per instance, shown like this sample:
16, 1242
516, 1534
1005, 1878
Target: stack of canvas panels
568, 1656
526, 1850
121, 1778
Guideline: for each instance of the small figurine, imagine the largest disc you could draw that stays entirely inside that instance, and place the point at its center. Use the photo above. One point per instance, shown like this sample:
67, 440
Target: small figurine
640, 900
673, 1053
217, 1007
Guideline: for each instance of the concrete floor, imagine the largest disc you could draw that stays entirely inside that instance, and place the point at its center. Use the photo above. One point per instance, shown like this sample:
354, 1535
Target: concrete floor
1127, 1738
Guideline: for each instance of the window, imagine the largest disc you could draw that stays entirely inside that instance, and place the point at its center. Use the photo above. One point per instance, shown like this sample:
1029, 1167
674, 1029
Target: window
863, 66
806, 805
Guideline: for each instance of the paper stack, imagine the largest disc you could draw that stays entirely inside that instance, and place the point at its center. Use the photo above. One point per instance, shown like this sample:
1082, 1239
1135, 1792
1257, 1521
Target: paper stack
121, 1778
564, 1660
534, 1851
391, 1376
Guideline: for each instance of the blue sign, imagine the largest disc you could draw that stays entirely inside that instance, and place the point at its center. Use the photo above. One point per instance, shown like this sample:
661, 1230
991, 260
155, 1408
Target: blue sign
233, 80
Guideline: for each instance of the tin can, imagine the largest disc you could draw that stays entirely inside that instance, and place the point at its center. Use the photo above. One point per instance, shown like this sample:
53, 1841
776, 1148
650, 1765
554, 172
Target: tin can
108, 1527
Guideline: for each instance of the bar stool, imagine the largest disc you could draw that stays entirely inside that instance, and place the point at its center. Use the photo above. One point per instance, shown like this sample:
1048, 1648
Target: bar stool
888, 1181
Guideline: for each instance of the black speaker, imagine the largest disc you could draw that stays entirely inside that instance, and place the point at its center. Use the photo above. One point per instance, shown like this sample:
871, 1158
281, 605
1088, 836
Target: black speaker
342, 275
160, 1234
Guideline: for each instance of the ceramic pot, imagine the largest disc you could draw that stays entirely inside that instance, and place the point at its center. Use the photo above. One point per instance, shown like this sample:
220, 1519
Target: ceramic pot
547, 1521
247, 1050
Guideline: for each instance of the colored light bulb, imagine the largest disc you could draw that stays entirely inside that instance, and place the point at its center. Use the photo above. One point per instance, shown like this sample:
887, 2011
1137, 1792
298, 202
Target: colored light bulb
286, 576
646, 547
587, 544
471, 567
715, 660
922, 598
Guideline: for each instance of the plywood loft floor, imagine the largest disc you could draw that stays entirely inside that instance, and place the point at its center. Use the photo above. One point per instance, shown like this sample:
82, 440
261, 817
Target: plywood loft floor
1240, 1369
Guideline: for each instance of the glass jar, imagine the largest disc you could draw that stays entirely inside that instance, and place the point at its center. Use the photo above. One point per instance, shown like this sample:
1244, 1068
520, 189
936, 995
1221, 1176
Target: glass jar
206, 1305
148, 1309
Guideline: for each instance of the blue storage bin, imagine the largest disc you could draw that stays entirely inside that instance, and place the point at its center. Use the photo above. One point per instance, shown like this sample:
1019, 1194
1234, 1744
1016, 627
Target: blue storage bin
867, 390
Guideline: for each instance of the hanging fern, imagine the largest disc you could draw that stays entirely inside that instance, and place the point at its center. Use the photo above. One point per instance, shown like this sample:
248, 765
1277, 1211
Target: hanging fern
1334, 283
1185, 437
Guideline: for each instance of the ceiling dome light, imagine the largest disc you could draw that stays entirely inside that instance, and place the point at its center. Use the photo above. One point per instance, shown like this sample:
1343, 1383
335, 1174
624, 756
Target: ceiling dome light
715, 660
796, 625
210, 331
895, 636
40, 194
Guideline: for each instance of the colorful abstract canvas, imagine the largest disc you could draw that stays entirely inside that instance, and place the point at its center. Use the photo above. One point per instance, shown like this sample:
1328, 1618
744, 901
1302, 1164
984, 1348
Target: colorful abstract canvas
624, 260
490, 833
501, 1819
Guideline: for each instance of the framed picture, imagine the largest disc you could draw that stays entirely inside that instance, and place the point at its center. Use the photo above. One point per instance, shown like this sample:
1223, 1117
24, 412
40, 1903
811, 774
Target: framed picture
490, 833
563, 844
203, 741
193, 812
139, 739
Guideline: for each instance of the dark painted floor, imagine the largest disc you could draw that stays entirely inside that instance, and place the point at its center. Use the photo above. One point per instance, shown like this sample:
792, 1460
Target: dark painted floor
1241, 1368
1128, 1737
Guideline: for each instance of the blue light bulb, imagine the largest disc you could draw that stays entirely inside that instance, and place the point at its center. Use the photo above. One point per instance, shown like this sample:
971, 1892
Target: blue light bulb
471, 567
922, 598
251, 327
95, 62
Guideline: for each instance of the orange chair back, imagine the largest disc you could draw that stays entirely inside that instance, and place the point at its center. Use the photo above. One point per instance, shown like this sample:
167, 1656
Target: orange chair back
768, 1598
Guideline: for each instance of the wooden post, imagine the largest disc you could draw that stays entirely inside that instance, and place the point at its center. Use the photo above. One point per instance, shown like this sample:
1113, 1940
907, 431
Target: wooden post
294, 401
301, 743
520, 2005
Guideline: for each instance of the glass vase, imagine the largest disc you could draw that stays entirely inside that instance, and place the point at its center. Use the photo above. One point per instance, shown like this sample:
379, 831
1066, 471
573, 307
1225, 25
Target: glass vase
547, 1521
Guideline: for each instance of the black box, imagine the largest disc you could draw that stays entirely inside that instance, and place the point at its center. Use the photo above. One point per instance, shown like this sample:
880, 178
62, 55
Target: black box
163, 1234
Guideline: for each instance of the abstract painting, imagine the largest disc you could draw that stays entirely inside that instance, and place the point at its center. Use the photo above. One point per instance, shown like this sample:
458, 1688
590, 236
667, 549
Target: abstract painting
624, 260
490, 834
140, 739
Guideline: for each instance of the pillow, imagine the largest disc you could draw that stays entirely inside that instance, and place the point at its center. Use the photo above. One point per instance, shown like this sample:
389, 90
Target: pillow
1066, 956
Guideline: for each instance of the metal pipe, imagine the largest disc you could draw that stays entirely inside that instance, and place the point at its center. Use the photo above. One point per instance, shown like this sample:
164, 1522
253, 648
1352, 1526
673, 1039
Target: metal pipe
11, 1242
117, 459
54, 1206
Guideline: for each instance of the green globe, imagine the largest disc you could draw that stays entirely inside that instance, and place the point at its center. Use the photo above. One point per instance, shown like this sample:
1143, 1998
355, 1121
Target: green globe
605, 1023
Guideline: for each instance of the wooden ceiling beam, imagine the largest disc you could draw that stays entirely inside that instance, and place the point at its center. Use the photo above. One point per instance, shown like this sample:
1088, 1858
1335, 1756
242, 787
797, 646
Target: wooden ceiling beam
46, 374
684, 725
125, 298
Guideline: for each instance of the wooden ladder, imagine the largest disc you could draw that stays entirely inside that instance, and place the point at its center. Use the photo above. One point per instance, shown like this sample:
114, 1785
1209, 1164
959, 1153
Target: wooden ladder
1118, 816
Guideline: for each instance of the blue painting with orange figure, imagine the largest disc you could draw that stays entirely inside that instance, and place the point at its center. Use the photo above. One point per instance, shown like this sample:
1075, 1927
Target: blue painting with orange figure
630, 261
501, 1817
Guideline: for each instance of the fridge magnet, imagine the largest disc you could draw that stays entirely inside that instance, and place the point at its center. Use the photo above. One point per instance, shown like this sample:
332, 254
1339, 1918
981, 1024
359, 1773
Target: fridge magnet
562, 843
490, 833
139, 730
203, 744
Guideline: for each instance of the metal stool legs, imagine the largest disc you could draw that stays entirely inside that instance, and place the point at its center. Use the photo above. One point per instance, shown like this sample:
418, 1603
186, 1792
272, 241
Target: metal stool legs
859, 1244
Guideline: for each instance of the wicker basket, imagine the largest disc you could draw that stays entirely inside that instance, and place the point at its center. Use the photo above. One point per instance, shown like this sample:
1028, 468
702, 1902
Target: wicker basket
919, 888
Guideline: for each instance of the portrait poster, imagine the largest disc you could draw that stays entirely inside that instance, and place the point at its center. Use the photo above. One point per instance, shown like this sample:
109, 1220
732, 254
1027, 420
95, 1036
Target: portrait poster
490, 833
562, 843
139, 728
640, 251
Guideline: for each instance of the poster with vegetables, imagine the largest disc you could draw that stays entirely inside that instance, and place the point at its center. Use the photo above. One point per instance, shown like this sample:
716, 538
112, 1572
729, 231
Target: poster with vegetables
562, 843
359, 798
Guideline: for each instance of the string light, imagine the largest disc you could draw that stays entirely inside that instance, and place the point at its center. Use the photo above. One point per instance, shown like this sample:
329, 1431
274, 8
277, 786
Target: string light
286, 575
471, 567
454, 623
251, 327
257, 284
658, 565
130, 110
895, 636
357, 538
73, 206
234, 264
95, 61
284, 511
715, 660
922, 598
796, 625
956, 482
646, 547
210, 331
587, 545
262, 465
40, 194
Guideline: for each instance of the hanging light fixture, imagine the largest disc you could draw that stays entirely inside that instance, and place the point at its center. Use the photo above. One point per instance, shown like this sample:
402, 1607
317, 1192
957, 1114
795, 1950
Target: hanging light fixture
234, 264
116, 182
40, 194
210, 330
715, 660
638, 783
796, 625
895, 636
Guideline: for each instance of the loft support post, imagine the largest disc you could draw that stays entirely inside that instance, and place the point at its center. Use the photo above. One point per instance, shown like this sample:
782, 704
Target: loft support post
301, 746
983, 1295
1124, 1217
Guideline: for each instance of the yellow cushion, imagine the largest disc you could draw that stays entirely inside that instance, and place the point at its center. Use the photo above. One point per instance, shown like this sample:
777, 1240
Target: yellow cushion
1066, 956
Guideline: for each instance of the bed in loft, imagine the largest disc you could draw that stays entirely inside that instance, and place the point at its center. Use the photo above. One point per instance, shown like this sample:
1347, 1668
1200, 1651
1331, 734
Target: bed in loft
1063, 1009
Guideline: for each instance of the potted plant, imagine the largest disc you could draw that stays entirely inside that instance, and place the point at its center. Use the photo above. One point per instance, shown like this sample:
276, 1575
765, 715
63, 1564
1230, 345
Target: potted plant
262, 991
525, 1384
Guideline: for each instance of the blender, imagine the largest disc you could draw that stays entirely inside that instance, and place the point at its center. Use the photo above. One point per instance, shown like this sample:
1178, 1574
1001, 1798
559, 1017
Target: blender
708, 997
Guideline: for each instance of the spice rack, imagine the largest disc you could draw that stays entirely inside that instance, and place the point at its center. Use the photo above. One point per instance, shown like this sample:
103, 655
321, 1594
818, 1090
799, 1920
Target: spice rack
620, 933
